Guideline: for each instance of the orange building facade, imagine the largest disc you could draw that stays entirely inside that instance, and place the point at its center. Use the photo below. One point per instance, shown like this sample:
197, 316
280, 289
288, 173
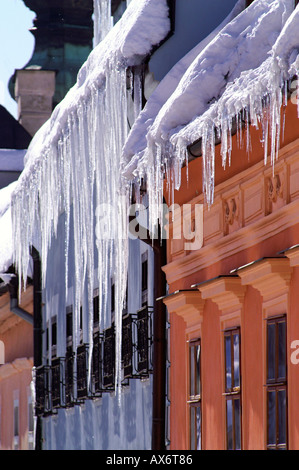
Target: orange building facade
234, 325
16, 362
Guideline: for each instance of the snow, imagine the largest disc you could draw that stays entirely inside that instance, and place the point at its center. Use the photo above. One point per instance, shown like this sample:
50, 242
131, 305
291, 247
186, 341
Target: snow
6, 247
12, 160
83, 164
73, 167
249, 59
136, 141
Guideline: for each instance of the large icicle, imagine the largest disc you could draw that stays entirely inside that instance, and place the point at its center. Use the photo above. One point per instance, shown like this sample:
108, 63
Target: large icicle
102, 20
74, 168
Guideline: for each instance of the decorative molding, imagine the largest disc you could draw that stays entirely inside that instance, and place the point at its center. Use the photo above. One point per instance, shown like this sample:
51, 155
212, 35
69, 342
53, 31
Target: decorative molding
255, 218
270, 276
187, 304
293, 255
226, 291
16, 367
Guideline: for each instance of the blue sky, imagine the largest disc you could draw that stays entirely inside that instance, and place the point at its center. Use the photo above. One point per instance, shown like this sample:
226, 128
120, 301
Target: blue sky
16, 45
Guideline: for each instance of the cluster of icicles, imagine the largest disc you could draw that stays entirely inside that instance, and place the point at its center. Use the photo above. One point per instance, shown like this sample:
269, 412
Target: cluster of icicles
261, 104
76, 174
82, 170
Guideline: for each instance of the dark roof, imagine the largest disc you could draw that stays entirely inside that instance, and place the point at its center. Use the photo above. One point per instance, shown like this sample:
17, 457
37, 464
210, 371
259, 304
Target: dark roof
12, 133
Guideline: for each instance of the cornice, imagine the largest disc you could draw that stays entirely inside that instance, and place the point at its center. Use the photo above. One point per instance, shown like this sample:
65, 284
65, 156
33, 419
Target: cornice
270, 276
187, 304
226, 291
17, 366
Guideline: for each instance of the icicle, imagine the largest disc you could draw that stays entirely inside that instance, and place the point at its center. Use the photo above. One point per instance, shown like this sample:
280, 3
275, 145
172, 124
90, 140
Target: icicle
102, 20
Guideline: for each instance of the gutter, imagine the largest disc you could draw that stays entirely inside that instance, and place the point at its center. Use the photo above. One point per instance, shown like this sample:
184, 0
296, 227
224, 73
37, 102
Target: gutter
37, 330
13, 287
159, 342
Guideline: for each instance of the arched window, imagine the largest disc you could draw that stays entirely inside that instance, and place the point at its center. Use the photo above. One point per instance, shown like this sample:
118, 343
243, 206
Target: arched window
2, 355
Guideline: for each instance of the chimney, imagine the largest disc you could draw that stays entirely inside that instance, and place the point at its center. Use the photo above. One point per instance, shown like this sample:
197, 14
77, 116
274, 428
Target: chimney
34, 91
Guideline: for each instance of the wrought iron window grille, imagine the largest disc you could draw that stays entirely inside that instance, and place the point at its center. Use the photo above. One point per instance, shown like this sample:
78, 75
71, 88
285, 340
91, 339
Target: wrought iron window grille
57, 382
144, 340
137, 344
81, 378
69, 396
42, 402
109, 359
97, 365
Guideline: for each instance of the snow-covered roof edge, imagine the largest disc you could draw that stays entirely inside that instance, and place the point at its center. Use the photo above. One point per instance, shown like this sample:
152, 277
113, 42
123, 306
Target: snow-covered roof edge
249, 59
144, 24
136, 142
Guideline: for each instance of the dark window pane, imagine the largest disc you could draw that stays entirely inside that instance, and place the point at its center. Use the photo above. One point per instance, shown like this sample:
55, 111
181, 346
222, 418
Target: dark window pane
192, 428
272, 417
69, 324
198, 427
96, 310
282, 428
144, 275
236, 339
16, 420
271, 351
228, 362
197, 390
282, 350
112, 297
195, 427
54, 334
229, 424
192, 372
237, 416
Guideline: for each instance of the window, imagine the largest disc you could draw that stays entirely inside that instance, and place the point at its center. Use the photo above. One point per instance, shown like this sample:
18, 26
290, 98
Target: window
232, 388
109, 358
195, 394
2, 353
54, 336
112, 301
144, 279
96, 309
127, 346
30, 424
276, 383
69, 358
82, 368
69, 326
16, 424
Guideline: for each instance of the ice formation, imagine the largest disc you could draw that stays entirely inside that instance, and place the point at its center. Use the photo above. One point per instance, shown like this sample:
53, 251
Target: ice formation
82, 158
238, 76
73, 168
102, 20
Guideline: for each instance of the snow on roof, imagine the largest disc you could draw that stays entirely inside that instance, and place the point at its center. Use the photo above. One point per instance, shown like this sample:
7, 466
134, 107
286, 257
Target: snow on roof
74, 159
136, 141
144, 24
12, 160
6, 247
247, 60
